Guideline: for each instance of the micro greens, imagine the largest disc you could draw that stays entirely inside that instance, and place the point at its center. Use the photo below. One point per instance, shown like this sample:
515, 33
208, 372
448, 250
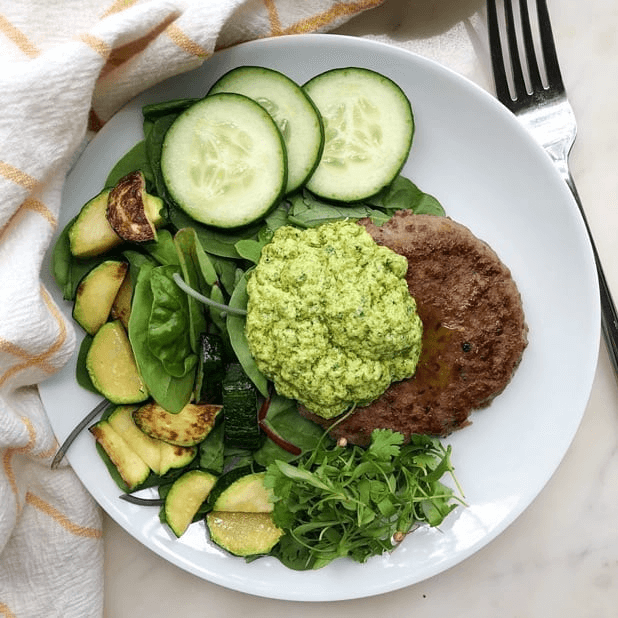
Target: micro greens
334, 502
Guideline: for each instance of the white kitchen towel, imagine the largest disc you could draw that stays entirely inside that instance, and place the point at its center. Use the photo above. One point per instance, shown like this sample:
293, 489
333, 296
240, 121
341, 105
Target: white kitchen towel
65, 68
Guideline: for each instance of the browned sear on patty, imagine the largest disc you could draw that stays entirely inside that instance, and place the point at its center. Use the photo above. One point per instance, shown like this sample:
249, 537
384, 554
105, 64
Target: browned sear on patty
474, 331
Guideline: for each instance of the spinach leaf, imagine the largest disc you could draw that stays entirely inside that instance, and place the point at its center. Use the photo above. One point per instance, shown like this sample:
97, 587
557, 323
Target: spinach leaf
135, 159
238, 458
170, 392
215, 241
216, 315
284, 419
153, 146
211, 450
81, 372
154, 111
226, 270
238, 339
186, 246
61, 263
158, 118
249, 249
169, 333
163, 250
147, 126
277, 218
402, 193
66, 269
426, 204
137, 261
307, 211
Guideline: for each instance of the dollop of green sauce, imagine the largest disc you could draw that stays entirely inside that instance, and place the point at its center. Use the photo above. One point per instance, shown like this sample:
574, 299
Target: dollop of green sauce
330, 319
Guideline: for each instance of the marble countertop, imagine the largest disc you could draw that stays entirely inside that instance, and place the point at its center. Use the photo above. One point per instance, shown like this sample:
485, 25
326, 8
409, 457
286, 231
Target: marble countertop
560, 557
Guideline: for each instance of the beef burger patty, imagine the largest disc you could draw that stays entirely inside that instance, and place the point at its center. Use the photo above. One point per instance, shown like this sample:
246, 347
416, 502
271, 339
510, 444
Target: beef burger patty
474, 331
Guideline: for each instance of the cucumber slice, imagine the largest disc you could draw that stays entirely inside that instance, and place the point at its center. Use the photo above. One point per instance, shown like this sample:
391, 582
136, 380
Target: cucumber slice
224, 161
368, 125
291, 108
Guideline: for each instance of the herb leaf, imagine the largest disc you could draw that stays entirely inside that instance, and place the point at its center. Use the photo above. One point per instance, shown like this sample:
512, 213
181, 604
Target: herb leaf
334, 502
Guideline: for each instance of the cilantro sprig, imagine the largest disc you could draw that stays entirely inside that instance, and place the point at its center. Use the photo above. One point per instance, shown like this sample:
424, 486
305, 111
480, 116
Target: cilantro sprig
334, 502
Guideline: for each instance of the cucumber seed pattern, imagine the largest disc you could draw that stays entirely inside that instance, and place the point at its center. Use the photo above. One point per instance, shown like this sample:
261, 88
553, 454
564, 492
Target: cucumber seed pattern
221, 159
283, 124
353, 132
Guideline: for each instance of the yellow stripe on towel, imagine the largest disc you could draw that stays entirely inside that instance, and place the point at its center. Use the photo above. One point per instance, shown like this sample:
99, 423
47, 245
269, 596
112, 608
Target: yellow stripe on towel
96, 44
321, 20
6, 612
39, 360
32, 205
63, 520
14, 174
19, 39
184, 42
118, 6
273, 17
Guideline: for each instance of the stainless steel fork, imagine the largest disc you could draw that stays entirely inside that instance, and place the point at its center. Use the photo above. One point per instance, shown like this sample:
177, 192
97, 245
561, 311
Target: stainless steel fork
541, 105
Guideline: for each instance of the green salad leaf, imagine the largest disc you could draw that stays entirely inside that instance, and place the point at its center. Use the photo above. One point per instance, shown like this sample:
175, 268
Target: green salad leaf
307, 210
169, 332
153, 143
134, 159
238, 338
212, 451
163, 250
218, 242
81, 372
283, 418
402, 193
169, 391
66, 269
154, 111
353, 502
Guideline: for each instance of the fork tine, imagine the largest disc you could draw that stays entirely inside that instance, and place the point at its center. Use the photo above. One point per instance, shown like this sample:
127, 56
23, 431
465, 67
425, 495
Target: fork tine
519, 83
525, 65
497, 57
552, 67
533, 67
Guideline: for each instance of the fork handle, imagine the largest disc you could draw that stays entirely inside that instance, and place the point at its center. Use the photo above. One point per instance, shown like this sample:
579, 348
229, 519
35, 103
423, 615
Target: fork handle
609, 315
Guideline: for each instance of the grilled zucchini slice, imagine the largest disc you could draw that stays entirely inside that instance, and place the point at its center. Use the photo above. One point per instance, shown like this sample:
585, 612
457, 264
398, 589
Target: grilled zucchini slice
186, 428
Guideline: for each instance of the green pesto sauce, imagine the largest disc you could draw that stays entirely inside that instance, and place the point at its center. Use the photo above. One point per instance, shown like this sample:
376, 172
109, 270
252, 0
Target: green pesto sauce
330, 319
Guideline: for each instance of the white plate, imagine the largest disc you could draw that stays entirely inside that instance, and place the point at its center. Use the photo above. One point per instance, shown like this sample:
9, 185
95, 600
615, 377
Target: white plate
470, 153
